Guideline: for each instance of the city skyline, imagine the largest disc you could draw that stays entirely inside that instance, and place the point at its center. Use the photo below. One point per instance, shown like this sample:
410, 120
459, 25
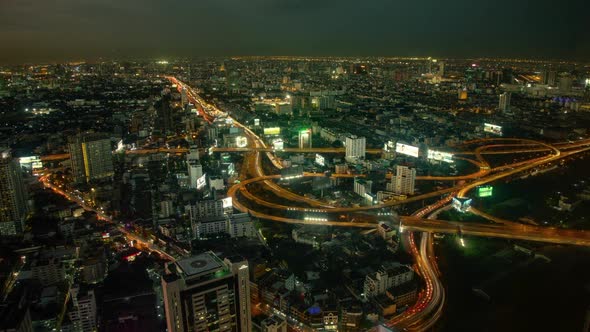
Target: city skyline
294, 166
92, 30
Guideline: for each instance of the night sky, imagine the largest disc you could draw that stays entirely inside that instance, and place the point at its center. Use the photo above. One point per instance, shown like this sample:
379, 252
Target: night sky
56, 30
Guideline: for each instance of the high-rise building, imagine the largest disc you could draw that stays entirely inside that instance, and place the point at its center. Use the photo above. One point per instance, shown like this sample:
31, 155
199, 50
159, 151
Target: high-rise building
441, 68
549, 77
183, 96
91, 157
83, 312
355, 147
387, 277
13, 199
565, 82
195, 171
404, 180
205, 209
362, 186
504, 103
205, 293
305, 139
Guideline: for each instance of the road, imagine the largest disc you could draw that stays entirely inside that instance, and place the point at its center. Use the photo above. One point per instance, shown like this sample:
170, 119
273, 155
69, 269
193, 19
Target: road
129, 235
513, 231
428, 309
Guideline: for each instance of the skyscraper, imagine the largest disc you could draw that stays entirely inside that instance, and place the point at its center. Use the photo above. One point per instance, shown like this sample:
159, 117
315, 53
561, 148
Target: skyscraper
404, 180
205, 293
504, 103
13, 199
83, 312
441, 68
195, 169
91, 157
355, 147
549, 77
565, 82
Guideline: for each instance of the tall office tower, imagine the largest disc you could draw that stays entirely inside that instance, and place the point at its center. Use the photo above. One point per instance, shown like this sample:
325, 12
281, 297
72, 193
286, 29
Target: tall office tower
13, 198
504, 103
164, 114
183, 97
205, 293
355, 147
91, 157
549, 77
404, 180
305, 139
195, 171
441, 68
565, 82
83, 312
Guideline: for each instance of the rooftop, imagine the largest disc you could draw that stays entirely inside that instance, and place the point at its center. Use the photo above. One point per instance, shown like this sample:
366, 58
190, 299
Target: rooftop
203, 263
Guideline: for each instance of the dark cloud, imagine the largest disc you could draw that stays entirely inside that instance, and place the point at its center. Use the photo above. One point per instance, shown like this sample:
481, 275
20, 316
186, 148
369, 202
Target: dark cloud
70, 29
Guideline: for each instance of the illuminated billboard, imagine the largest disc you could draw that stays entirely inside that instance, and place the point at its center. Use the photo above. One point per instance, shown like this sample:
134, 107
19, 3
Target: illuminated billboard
272, 131
202, 181
31, 163
407, 149
389, 146
492, 128
485, 191
278, 144
241, 142
120, 146
227, 202
440, 156
461, 204
320, 160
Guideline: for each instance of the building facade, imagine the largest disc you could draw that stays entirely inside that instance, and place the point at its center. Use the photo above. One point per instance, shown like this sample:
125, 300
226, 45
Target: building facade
13, 199
404, 180
91, 157
355, 147
205, 293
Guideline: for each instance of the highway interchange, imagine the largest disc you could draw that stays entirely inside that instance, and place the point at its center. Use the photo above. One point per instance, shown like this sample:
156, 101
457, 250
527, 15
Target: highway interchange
423, 223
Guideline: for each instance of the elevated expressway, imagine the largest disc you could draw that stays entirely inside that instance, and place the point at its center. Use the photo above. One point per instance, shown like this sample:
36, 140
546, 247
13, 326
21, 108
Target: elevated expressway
428, 308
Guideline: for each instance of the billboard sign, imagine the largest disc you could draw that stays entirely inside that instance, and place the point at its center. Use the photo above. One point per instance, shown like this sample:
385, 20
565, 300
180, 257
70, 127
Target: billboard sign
440, 156
407, 149
202, 181
272, 131
320, 160
389, 146
227, 202
485, 191
492, 128
278, 144
241, 142
31, 163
